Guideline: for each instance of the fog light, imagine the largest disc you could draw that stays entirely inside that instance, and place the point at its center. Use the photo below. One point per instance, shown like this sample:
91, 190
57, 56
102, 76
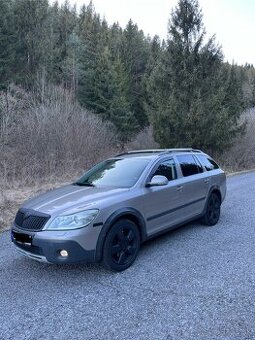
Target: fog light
63, 253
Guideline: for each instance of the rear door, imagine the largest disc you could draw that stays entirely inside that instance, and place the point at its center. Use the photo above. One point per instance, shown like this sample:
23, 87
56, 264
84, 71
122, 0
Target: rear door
194, 187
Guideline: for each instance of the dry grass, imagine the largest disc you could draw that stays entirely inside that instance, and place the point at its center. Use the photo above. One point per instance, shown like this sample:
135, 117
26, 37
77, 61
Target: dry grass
11, 198
242, 155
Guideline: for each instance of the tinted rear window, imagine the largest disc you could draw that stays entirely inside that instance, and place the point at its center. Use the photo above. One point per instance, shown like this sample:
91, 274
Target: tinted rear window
188, 165
207, 162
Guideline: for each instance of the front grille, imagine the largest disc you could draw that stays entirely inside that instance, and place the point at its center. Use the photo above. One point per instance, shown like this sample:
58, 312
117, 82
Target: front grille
31, 220
19, 218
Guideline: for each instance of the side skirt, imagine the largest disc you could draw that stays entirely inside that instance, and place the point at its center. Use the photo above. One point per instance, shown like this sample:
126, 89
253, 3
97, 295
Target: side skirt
162, 232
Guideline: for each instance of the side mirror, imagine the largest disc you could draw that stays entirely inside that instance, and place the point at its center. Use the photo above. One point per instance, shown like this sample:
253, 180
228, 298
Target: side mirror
157, 181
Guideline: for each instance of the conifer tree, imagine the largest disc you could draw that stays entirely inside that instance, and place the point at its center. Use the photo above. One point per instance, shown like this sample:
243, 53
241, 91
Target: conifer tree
66, 45
191, 96
121, 114
153, 62
30, 19
115, 40
135, 55
94, 52
102, 85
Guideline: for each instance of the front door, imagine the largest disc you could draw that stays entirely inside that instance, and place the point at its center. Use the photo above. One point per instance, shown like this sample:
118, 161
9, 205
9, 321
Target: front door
161, 203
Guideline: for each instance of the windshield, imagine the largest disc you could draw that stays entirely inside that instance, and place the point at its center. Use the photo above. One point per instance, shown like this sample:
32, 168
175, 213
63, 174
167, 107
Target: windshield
121, 173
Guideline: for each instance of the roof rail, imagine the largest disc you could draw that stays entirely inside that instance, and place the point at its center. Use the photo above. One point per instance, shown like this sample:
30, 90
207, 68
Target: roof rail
159, 151
182, 150
141, 151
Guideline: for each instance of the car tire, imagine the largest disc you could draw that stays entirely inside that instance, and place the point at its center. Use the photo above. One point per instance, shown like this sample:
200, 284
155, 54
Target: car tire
212, 214
121, 245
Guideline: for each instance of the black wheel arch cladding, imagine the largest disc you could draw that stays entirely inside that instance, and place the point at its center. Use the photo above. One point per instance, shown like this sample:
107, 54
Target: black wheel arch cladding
127, 213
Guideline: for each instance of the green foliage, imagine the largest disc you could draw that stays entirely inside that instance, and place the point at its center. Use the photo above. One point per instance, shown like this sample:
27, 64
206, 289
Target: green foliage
135, 55
121, 114
95, 62
181, 86
195, 98
64, 45
31, 35
105, 79
247, 79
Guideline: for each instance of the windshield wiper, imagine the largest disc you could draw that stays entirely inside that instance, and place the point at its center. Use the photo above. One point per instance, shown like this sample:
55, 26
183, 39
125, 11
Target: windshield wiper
84, 184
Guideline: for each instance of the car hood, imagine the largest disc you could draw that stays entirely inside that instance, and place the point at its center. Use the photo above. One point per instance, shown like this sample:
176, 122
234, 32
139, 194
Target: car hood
70, 198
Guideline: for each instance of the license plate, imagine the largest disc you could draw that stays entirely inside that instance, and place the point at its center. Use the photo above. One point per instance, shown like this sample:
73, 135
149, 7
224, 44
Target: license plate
22, 238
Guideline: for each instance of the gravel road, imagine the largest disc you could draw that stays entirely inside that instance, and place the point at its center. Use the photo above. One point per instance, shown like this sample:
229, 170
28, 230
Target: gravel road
193, 283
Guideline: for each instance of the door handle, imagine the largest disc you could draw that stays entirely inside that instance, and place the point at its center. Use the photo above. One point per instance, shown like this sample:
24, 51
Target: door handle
179, 187
206, 180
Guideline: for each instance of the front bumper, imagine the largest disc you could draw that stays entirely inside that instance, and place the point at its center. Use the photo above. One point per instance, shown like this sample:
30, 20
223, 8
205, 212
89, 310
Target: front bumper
48, 249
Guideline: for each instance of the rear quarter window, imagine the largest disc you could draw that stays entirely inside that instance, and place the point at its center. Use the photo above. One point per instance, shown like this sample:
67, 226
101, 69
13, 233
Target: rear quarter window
207, 162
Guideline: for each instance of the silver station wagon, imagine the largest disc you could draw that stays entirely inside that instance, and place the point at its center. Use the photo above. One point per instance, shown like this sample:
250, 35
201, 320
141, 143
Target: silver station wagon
120, 203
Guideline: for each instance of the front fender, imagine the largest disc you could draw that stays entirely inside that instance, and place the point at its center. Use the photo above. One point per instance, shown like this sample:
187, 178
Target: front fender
131, 213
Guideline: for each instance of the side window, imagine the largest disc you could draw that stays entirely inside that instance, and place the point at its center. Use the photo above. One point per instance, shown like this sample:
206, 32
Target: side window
200, 167
208, 163
166, 169
188, 165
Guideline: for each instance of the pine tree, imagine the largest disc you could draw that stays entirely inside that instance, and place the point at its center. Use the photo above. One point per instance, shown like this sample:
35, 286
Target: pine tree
121, 114
115, 40
103, 86
32, 38
247, 79
94, 51
191, 95
104, 82
153, 62
135, 55
66, 46
71, 65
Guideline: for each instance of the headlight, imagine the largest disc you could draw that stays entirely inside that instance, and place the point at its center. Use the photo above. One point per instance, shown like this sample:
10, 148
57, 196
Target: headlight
74, 221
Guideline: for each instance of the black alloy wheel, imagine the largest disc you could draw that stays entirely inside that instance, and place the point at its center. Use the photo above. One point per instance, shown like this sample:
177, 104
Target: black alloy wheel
121, 245
212, 214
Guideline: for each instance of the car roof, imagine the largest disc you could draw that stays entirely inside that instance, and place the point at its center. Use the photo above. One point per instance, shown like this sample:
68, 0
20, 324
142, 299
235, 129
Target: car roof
155, 153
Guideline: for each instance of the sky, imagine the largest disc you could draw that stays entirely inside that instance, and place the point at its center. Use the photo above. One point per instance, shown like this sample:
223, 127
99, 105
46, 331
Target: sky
232, 21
